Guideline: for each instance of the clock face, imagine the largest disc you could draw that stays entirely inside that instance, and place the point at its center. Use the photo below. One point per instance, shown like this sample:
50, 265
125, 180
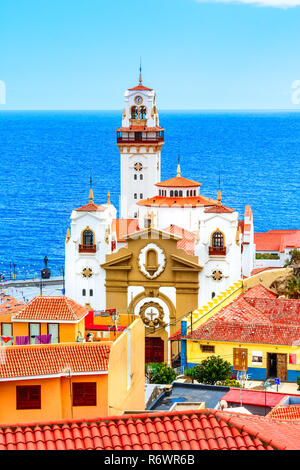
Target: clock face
138, 99
138, 166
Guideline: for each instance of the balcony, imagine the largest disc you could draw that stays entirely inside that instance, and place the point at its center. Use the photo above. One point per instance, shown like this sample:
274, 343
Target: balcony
140, 137
217, 251
87, 249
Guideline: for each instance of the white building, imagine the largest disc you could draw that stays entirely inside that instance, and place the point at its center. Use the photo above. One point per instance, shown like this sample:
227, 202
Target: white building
212, 233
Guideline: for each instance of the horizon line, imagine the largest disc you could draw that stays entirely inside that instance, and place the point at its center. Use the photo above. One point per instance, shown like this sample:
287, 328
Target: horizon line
161, 109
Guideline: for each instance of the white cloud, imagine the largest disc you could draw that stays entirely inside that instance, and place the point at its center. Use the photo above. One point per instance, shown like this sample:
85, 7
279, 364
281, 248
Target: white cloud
262, 3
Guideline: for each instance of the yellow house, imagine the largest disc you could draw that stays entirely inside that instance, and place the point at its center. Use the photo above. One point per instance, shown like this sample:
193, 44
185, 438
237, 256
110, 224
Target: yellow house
257, 332
44, 320
51, 382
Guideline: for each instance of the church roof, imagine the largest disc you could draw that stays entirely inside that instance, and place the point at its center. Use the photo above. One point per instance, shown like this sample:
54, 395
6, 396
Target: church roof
140, 129
124, 227
219, 209
160, 201
178, 182
90, 207
140, 87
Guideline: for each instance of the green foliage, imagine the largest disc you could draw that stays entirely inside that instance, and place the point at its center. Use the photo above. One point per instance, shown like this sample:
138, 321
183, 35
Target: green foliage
294, 257
159, 373
230, 383
293, 288
298, 382
212, 370
267, 256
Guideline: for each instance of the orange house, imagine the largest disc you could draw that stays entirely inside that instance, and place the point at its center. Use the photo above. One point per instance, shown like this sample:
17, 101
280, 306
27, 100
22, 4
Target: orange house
73, 380
60, 317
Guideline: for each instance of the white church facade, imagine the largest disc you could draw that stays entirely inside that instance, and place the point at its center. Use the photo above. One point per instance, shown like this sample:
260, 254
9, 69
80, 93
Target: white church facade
171, 250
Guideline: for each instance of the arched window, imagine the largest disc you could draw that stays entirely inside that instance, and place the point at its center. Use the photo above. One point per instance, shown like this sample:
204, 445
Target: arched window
141, 177
171, 193
187, 193
176, 193
180, 193
134, 112
218, 240
143, 112
88, 238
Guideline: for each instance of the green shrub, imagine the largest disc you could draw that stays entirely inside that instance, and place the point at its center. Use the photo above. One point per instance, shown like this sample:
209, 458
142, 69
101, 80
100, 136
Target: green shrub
212, 370
159, 373
298, 382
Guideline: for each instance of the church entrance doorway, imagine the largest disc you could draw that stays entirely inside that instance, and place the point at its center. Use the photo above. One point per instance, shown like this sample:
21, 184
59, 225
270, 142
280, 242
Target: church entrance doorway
154, 350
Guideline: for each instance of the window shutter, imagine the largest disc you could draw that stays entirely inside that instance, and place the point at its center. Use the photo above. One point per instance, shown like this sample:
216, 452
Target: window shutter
28, 397
84, 394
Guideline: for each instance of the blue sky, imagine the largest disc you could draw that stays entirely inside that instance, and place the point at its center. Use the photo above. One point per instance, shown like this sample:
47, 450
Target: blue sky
83, 54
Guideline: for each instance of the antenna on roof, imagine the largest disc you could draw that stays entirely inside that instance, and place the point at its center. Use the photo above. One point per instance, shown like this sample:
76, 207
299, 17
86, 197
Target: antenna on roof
140, 77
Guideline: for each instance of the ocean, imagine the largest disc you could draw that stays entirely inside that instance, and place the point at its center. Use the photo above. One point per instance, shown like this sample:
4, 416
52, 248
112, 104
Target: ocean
46, 159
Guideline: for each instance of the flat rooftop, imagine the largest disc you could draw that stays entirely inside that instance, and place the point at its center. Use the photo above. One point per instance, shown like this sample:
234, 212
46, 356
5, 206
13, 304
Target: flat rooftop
210, 394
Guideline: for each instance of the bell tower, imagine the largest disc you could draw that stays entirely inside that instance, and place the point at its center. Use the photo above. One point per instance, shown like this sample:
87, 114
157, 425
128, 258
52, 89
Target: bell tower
140, 140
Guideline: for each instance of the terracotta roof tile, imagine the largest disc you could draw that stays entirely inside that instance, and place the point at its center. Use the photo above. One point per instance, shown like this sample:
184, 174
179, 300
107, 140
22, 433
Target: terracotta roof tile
52, 309
90, 207
124, 227
254, 317
178, 182
53, 359
277, 240
217, 209
160, 201
9, 305
285, 413
207, 429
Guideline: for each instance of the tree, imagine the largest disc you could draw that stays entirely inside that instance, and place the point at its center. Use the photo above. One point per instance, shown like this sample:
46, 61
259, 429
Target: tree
212, 370
159, 373
293, 288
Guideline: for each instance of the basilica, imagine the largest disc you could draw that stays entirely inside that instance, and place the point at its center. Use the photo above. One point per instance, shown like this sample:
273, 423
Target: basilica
171, 250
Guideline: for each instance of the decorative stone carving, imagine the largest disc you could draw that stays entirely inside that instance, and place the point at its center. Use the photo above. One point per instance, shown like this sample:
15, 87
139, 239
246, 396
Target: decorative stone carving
152, 315
151, 261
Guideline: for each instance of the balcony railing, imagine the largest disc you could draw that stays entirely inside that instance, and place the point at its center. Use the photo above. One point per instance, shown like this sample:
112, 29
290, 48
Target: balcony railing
137, 137
87, 248
217, 251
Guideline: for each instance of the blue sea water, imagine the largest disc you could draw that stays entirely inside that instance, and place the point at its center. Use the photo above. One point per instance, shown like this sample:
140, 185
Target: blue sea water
46, 159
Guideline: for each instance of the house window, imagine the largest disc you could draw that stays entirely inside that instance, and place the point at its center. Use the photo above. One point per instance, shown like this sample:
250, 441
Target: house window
135, 196
207, 349
218, 240
141, 177
135, 215
171, 193
7, 330
53, 330
91, 292
180, 193
83, 292
143, 112
84, 394
135, 177
141, 195
28, 397
34, 330
88, 237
